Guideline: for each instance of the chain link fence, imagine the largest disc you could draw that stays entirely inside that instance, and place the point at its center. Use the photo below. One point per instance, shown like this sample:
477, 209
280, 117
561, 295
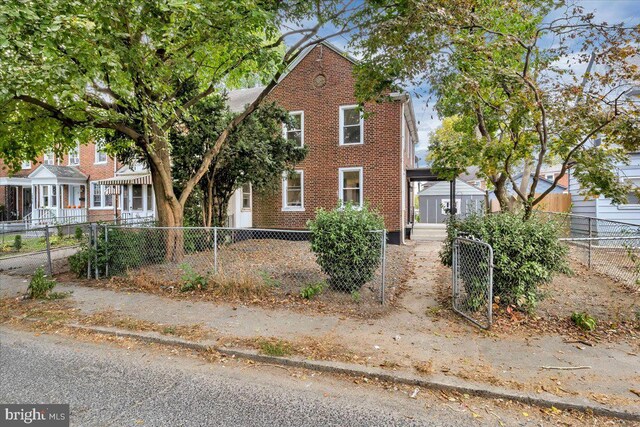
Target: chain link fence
279, 263
472, 268
609, 247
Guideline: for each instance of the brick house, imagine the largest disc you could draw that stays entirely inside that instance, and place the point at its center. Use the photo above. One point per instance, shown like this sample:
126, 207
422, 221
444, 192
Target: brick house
83, 185
350, 158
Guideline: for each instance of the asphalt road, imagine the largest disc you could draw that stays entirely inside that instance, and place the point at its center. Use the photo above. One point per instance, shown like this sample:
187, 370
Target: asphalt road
112, 385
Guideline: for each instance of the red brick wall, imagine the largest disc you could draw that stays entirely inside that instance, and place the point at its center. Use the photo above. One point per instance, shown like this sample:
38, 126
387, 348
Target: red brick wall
380, 155
87, 166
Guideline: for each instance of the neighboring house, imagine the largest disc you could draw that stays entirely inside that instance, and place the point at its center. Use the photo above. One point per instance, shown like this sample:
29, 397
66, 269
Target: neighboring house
435, 203
601, 207
544, 183
350, 159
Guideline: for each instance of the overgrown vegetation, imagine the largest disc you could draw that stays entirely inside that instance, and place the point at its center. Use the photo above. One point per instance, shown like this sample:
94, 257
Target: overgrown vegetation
17, 242
346, 245
526, 254
78, 233
311, 290
125, 249
40, 285
584, 321
192, 281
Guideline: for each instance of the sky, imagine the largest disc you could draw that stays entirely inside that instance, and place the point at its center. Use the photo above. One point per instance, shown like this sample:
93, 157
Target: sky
611, 11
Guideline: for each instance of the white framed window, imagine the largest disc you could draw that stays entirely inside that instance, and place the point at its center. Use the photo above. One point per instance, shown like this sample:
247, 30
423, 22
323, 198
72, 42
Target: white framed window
74, 155
633, 201
246, 196
445, 206
549, 176
296, 132
100, 200
49, 158
351, 125
26, 164
293, 191
100, 155
350, 183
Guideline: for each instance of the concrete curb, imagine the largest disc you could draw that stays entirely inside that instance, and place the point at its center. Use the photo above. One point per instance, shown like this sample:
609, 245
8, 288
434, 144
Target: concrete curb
545, 400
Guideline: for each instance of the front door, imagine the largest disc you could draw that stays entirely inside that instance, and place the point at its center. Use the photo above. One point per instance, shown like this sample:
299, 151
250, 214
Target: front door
26, 201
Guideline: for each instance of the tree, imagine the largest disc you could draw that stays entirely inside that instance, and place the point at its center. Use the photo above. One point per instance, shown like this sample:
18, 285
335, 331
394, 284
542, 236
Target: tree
71, 70
256, 153
515, 71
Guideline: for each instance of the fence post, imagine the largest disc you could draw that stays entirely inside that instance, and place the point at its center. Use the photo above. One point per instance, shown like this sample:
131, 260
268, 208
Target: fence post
95, 249
590, 236
215, 250
90, 245
46, 237
106, 250
383, 260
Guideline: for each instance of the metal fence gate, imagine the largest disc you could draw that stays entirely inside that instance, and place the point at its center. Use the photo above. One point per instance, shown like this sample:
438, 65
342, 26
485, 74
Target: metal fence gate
472, 267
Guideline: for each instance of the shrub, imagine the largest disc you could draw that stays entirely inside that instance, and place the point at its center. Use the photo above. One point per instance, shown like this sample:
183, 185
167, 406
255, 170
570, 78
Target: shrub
526, 254
78, 233
311, 290
17, 242
60, 231
346, 248
125, 248
584, 321
192, 280
40, 285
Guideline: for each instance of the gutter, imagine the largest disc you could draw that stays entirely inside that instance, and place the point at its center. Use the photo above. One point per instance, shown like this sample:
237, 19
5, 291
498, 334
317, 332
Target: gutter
406, 98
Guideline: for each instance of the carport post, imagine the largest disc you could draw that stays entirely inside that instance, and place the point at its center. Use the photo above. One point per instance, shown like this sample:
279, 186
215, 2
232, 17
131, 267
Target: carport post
46, 237
452, 197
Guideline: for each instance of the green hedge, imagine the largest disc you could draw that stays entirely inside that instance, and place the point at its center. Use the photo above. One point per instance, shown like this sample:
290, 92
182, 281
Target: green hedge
526, 253
346, 248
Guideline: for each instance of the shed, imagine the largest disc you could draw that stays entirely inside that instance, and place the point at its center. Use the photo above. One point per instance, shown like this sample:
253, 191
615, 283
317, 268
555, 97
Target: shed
434, 201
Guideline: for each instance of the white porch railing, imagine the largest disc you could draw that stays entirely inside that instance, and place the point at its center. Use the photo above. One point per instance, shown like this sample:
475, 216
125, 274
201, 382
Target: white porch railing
42, 216
137, 215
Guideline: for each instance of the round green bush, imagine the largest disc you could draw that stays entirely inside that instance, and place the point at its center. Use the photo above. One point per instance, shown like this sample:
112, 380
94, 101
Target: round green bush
347, 243
526, 253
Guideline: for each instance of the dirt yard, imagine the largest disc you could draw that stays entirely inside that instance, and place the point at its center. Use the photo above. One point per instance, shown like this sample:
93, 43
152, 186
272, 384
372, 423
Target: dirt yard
268, 271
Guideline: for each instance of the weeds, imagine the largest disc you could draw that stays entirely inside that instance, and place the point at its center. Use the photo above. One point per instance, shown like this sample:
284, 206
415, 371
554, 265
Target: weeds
40, 285
269, 280
192, 280
311, 290
355, 296
78, 233
17, 242
584, 321
275, 348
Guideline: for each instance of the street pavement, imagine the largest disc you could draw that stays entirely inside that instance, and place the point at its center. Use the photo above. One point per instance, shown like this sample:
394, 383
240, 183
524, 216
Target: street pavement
109, 385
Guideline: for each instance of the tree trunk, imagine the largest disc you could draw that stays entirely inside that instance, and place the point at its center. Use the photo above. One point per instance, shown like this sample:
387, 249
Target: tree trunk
500, 190
170, 211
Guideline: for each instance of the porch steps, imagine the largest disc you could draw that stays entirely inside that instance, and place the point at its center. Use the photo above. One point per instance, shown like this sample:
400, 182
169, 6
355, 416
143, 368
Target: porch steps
433, 232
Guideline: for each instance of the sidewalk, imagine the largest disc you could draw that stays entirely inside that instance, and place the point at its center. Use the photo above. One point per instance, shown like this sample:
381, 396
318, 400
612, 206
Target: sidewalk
441, 346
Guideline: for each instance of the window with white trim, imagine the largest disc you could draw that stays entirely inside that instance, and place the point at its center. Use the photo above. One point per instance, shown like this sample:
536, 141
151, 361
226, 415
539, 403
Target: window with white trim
351, 125
633, 201
549, 176
98, 197
293, 191
26, 164
445, 206
49, 158
74, 155
350, 183
100, 155
246, 196
296, 131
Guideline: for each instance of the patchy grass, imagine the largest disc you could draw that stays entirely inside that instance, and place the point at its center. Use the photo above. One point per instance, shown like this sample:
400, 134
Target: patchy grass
276, 348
